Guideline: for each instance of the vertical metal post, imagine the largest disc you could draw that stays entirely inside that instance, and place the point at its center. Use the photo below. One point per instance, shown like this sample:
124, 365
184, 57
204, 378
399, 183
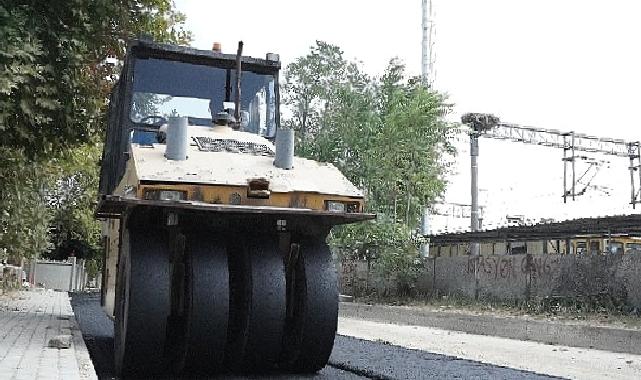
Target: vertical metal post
474, 153
425, 43
638, 156
424, 47
34, 265
426, 8
633, 192
573, 170
239, 71
565, 169
72, 277
425, 230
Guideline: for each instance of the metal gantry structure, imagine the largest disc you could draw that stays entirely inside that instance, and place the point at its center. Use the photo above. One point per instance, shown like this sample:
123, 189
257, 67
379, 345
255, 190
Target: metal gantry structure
489, 126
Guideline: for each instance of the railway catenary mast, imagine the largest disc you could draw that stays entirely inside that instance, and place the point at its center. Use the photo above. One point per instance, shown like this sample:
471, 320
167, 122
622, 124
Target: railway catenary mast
214, 236
489, 126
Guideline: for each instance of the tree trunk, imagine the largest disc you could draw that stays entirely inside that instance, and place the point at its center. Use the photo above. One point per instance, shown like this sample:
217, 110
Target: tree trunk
395, 204
407, 210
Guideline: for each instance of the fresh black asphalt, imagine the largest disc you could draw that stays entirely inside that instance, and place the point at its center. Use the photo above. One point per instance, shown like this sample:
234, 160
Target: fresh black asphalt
351, 359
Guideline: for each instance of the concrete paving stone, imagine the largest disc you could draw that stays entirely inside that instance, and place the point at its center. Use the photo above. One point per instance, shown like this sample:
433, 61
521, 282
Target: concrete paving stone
28, 363
48, 377
25, 335
69, 374
30, 373
63, 367
24, 377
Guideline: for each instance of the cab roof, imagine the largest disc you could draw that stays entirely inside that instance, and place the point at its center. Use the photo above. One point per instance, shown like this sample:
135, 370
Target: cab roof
149, 49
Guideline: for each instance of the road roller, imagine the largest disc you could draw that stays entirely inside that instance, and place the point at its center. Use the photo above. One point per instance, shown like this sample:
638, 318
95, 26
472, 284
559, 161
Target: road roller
214, 233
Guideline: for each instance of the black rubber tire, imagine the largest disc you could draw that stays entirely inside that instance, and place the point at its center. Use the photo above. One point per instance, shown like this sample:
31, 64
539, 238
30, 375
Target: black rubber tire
311, 326
143, 305
207, 303
258, 305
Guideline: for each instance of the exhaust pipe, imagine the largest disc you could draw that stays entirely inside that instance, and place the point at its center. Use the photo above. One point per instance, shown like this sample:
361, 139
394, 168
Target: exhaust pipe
177, 139
284, 157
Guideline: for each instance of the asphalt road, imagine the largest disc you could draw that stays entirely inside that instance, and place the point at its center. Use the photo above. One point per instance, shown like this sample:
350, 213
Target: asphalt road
351, 359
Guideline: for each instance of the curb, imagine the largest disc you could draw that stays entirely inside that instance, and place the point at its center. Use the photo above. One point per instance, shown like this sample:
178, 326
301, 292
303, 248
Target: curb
557, 333
85, 365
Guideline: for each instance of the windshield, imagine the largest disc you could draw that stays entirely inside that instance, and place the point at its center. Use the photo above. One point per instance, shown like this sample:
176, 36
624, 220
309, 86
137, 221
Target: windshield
172, 88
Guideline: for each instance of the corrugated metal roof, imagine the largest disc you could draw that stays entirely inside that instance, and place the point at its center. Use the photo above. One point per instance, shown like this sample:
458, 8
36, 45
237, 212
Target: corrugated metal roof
604, 226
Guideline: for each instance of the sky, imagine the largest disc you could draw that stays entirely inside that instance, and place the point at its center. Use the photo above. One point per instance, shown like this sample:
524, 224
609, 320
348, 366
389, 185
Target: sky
572, 65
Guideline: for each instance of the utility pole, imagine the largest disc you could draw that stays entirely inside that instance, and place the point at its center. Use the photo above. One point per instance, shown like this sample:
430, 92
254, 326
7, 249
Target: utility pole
427, 76
427, 61
474, 214
479, 123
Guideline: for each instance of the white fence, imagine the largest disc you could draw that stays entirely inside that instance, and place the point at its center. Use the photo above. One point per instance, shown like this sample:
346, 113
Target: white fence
69, 275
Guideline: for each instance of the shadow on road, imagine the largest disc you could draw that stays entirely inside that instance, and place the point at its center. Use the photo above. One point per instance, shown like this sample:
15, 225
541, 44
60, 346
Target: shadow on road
98, 332
351, 358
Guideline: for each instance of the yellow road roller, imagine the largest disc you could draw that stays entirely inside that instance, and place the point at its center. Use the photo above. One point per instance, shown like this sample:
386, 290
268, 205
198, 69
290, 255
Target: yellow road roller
214, 232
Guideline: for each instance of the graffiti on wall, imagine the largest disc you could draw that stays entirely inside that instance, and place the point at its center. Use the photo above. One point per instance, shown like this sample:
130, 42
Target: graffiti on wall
508, 267
348, 273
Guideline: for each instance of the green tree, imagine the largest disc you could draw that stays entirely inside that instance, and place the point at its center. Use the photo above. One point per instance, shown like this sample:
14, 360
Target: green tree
312, 82
71, 198
24, 215
58, 62
387, 135
54, 76
409, 146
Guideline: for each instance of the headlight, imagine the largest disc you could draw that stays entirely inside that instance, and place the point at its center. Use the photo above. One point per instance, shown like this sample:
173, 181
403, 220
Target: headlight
165, 195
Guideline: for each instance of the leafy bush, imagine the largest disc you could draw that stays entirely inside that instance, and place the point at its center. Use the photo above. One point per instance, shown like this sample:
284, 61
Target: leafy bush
391, 248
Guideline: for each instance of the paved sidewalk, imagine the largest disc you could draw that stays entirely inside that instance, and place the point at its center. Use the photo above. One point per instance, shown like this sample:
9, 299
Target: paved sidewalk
28, 321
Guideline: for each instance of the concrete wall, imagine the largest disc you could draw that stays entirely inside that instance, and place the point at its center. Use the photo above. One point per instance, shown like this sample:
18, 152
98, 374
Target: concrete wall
452, 275
353, 277
67, 275
610, 278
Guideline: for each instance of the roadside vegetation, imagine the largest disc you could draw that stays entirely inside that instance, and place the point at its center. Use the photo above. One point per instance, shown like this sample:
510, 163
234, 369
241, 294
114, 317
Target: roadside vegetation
58, 61
387, 134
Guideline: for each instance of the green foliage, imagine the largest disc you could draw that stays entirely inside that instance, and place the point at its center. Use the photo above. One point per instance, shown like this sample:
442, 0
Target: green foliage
48, 205
24, 215
311, 83
392, 248
54, 78
387, 135
54, 85
146, 104
71, 198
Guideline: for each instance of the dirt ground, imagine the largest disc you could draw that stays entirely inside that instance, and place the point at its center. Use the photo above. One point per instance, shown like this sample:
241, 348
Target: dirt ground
557, 313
